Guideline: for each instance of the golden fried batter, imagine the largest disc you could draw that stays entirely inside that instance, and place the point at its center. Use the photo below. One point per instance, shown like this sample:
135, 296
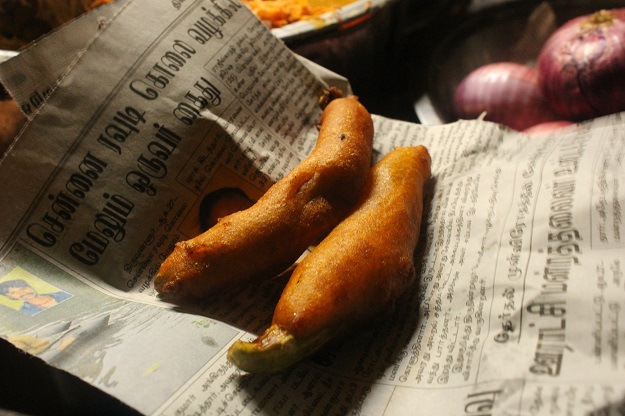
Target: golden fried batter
295, 212
355, 274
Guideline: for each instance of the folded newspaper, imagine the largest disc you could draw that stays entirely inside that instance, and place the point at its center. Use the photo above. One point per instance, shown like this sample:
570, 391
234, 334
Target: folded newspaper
155, 104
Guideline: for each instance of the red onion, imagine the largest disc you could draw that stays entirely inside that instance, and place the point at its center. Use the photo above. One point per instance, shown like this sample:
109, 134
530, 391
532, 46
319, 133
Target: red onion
547, 127
508, 92
582, 66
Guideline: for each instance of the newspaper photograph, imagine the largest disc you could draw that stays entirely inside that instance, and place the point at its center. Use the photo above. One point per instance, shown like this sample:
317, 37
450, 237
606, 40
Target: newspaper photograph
519, 300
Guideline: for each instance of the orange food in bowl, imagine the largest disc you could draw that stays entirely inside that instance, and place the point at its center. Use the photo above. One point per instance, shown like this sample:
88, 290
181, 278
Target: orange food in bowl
277, 13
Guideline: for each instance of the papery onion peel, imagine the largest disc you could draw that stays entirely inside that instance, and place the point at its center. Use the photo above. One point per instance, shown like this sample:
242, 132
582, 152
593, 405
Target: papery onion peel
508, 92
547, 127
581, 67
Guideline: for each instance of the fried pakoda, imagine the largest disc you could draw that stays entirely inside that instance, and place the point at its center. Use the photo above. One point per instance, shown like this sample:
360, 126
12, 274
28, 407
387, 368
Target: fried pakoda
294, 213
354, 275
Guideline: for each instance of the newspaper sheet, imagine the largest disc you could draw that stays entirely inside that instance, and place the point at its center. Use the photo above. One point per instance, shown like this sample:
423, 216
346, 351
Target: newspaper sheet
32, 77
519, 307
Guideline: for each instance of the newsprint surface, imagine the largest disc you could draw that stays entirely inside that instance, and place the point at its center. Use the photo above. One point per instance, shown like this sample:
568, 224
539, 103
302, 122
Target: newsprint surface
520, 305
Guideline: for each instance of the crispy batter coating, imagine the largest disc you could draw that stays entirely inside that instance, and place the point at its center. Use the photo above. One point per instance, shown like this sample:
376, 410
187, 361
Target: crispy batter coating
355, 274
294, 213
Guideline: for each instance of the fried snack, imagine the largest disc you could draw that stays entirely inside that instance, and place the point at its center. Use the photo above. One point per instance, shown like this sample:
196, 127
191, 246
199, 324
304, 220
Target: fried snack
294, 213
354, 275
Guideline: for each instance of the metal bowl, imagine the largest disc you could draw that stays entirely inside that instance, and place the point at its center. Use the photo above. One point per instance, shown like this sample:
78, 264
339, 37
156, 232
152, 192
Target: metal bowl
373, 48
350, 41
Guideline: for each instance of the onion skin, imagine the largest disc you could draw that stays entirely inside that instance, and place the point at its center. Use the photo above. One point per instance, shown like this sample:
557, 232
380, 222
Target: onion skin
582, 66
508, 92
547, 127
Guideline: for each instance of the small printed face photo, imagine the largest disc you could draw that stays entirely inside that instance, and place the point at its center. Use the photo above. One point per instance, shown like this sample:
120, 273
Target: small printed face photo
28, 294
227, 194
221, 203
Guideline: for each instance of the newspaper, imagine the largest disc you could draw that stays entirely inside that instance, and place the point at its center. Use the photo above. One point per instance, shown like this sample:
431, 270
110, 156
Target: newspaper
33, 76
520, 298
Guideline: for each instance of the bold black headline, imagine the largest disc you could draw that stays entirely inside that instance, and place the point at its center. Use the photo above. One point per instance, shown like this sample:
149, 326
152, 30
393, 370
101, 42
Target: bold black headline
563, 252
113, 209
